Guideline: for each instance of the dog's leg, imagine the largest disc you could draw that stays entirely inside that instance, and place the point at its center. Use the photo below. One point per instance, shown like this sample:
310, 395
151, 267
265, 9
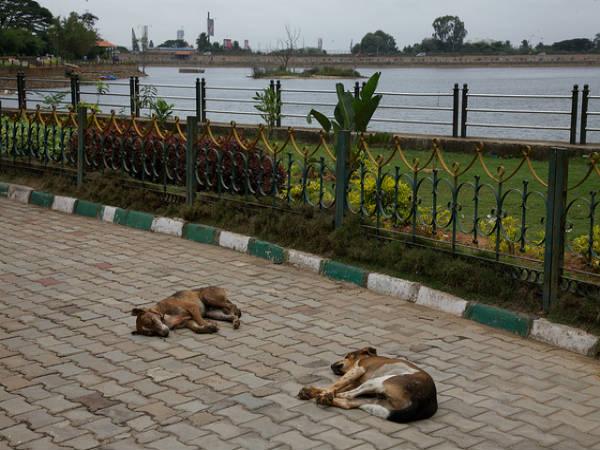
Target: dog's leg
201, 325
374, 386
217, 314
308, 392
197, 328
216, 298
348, 380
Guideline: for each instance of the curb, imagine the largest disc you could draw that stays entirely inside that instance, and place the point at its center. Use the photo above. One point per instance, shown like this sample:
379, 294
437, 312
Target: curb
396, 287
562, 336
344, 272
201, 233
4, 189
139, 220
442, 301
266, 250
64, 204
499, 318
41, 199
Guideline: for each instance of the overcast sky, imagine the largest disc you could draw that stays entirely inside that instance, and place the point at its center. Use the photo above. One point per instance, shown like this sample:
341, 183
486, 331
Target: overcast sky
337, 22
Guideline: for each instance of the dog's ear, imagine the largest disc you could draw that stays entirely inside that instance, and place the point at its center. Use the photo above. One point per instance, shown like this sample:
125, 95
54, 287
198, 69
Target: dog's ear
137, 311
371, 351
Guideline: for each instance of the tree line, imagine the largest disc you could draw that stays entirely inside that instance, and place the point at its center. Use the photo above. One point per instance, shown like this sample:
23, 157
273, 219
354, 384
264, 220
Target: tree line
449, 34
29, 29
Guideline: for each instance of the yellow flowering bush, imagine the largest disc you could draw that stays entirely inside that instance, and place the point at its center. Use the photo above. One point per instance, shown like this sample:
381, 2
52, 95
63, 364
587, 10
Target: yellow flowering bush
581, 247
512, 230
388, 192
312, 192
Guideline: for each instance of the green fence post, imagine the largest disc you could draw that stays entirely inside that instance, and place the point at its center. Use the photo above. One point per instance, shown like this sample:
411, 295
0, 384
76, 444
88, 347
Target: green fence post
555, 224
341, 174
190, 160
82, 127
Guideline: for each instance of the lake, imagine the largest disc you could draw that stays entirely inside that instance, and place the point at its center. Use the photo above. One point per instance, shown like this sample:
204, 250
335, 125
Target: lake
545, 81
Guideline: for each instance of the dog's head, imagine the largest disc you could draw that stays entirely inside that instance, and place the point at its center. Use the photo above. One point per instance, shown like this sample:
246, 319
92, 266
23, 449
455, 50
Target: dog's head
341, 367
150, 322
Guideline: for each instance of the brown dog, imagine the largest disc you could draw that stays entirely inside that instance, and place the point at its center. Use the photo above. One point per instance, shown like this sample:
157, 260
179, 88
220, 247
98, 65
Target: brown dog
187, 309
389, 388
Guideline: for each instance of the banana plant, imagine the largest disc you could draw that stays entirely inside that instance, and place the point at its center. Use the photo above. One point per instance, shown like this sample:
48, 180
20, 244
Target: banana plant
351, 113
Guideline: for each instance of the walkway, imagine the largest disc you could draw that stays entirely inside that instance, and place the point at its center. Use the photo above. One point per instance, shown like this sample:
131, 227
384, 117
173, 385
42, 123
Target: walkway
73, 376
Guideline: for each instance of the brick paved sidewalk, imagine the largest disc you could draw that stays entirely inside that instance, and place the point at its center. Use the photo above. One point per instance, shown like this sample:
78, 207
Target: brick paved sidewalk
73, 376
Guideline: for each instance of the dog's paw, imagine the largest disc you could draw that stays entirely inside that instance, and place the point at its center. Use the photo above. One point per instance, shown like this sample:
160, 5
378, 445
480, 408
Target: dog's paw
325, 398
305, 393
236, 324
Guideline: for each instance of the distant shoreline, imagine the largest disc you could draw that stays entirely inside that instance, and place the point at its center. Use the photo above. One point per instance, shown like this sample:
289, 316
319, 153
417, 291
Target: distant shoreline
397, 61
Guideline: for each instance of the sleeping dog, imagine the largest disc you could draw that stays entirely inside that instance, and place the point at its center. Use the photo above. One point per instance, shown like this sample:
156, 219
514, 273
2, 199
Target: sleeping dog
389, 388
187, 309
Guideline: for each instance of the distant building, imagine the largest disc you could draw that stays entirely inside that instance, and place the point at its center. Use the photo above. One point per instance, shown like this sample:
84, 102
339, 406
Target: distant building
227, 44
180, 34
246, 45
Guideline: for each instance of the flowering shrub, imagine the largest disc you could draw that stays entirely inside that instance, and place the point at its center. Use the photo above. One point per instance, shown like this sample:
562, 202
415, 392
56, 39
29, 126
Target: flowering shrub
388, 197
312, 192
168, 154
509, 241
581, 246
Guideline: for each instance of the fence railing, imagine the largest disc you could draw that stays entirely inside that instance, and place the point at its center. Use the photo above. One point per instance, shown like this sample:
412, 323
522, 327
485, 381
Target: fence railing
541, 219
456, 112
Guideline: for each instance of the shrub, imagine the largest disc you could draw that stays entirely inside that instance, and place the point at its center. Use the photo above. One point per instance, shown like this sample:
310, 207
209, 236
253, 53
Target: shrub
509, 241
581, 246
165, 158
388, 198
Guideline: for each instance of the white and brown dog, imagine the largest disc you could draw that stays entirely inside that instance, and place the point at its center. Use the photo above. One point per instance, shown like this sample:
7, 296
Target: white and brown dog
390, 388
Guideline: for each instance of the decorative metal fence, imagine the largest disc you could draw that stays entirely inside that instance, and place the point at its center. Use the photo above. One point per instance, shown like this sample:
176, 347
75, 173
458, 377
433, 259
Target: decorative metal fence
541, 219
456, 112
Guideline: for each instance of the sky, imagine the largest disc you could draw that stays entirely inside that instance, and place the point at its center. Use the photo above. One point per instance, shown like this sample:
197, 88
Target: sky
337, 22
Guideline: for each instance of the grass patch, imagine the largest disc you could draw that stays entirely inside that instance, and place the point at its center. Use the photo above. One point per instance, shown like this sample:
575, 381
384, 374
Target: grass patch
311, 231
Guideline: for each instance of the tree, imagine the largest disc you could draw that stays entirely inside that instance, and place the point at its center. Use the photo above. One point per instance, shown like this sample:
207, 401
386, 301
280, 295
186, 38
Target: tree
573, 45
74, 36
378, 43
288, 47
15, 41
175, 43
202, 43
23, 27
24, 14
597, 40
450, 32
236, 46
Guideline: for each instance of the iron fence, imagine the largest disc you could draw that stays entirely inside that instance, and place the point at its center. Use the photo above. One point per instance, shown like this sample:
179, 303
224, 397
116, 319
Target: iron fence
539, 218
456, 112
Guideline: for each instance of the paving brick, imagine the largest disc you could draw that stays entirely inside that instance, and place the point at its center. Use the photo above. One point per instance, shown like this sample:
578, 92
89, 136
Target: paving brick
104, 428
18, 434
295, 440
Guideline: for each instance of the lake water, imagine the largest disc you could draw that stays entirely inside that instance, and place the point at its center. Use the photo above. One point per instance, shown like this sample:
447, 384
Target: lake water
547, 81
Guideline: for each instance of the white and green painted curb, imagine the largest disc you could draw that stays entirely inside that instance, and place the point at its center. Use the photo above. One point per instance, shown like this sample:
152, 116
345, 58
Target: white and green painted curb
565, 337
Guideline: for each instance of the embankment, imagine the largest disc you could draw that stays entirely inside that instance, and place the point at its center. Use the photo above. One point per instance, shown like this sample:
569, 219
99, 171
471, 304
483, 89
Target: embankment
36, 76
156, 57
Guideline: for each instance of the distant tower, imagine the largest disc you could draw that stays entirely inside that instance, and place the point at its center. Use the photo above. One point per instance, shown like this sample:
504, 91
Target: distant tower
180, 34
320, 43
210, 27
144, 39
135, 46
